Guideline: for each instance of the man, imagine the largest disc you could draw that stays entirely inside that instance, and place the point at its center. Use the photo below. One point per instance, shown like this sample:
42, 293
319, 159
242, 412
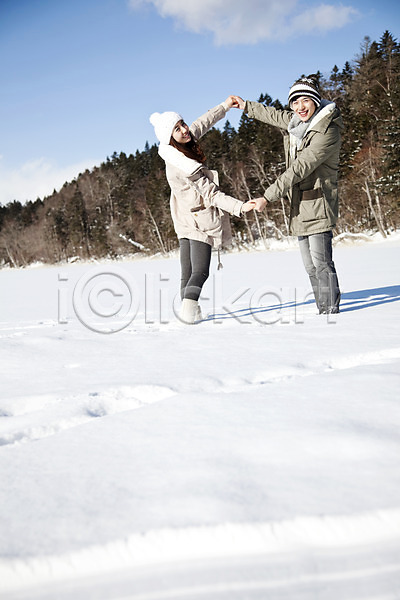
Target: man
312, 139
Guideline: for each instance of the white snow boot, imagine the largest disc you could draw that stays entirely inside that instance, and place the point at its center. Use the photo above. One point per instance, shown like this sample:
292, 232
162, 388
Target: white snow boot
190, 311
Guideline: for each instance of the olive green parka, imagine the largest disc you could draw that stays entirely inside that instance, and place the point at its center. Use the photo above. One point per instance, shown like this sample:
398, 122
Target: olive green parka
310, 181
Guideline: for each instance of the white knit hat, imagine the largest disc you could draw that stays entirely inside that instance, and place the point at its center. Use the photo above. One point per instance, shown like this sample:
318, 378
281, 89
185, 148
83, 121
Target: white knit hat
164, 124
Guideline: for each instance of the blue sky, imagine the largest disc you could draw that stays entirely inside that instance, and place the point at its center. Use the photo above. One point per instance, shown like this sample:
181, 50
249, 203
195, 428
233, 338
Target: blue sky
79, 78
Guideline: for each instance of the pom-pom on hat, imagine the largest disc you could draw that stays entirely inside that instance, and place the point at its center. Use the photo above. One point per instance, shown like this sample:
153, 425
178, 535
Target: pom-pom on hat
164, 124
306, 86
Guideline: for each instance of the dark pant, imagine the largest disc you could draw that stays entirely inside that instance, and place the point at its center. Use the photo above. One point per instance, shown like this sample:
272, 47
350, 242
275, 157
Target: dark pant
195, 267
316, 252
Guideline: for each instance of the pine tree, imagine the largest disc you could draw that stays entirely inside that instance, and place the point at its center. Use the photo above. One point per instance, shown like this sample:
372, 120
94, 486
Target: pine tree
389, 131
77, 220
365, 91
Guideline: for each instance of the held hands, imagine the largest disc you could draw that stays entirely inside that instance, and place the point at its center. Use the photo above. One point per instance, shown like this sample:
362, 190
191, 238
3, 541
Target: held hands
235, 102
260, 203
238, 102
257, 204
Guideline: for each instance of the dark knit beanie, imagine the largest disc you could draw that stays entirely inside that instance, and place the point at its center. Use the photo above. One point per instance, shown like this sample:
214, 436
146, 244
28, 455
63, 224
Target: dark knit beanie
306, 86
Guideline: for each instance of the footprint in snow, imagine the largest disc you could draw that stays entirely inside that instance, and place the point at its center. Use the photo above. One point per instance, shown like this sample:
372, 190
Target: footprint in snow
72, 411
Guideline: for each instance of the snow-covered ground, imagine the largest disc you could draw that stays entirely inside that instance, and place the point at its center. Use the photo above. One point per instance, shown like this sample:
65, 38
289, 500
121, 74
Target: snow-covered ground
254, 455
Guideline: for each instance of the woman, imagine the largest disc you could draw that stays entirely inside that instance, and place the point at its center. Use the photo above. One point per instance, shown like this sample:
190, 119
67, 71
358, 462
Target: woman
312, 138
197, 204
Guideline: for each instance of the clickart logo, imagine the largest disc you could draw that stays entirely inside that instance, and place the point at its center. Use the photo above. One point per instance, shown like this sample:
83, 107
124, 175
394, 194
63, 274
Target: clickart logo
105, 301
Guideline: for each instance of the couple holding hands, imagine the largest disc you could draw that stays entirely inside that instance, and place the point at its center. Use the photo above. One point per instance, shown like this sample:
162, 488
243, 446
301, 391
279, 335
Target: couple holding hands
200, 210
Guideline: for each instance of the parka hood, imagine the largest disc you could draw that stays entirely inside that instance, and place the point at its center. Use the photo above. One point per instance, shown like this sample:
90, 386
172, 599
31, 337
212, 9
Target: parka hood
327, 113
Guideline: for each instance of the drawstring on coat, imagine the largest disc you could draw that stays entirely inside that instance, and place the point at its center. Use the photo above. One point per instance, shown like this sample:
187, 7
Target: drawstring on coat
220, 265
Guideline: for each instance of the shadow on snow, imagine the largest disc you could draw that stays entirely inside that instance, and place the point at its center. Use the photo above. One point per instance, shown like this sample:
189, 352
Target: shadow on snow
350, 301
368, 298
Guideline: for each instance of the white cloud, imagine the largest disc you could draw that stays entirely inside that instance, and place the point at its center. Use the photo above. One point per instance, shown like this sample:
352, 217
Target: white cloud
250, 21
36, 178
323, 18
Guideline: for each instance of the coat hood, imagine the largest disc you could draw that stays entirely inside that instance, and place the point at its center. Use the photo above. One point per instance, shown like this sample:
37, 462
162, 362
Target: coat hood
327, 113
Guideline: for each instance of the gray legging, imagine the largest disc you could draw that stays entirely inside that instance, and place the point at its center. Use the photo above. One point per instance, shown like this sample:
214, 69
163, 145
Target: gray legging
195, 267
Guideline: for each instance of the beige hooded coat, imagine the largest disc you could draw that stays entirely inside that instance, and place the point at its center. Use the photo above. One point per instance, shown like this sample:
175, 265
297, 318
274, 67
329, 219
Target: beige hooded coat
197, 204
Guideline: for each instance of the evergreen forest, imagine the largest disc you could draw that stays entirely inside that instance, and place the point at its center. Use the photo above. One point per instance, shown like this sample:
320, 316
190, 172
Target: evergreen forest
122, 206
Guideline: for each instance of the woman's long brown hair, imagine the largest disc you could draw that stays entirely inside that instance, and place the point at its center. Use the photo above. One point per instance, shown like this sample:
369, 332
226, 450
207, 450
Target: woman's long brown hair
190, 149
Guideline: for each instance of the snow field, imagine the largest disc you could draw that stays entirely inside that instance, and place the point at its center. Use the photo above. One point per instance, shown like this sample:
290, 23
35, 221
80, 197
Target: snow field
166, 461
